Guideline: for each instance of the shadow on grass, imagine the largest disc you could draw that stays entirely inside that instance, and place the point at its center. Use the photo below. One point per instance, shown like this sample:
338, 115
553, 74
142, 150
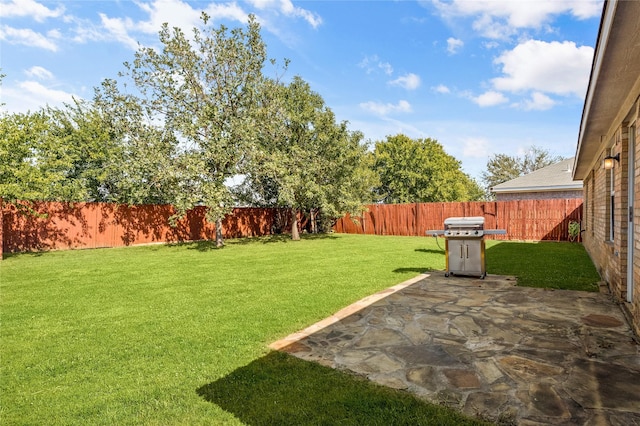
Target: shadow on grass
207, 245
418, 270
25, 254
284, 390
432, 251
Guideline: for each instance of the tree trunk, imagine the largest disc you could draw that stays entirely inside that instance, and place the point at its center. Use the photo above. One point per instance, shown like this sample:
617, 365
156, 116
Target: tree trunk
313, 213
219, 239
295, 235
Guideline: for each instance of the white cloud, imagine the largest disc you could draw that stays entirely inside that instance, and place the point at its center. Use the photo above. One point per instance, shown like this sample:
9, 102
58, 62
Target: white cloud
118, 29
386, 68
539, 101
32, 95
175, 12
179, 13
28, 37
490, 98
453, 45
501, 18
441, 88
39, 72
408, 81
474, 147
229, 11
373, 63
47, 95
384, 109
559, 68
491, 28
287, 8
30, 9
582, 9
490, 44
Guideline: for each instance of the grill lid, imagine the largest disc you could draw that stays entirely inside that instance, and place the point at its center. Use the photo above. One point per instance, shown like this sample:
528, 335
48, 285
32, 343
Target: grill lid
472, 222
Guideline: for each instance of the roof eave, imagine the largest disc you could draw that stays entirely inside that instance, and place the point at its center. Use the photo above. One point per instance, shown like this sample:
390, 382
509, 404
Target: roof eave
614, 85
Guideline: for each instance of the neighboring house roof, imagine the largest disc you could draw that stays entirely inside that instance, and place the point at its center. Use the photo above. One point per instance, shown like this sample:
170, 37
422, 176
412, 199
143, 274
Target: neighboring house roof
614, 82
555, 177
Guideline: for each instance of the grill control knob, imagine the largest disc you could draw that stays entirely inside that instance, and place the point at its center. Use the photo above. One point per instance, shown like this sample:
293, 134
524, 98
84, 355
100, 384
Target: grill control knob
476, 232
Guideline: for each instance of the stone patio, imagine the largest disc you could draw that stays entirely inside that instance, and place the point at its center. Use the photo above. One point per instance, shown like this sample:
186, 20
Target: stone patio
509, 354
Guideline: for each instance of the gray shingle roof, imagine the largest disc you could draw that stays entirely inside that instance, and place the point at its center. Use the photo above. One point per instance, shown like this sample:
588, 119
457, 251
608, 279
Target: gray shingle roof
556, 177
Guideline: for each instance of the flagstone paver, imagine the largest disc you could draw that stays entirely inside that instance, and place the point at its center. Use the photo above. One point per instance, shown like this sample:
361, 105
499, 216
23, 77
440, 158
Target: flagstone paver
510, 354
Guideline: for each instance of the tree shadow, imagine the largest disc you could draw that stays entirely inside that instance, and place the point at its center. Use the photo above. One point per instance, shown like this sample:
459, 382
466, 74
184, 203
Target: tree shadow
280, 389
42, 226
39, 226
18, 254
207, 245
560, 229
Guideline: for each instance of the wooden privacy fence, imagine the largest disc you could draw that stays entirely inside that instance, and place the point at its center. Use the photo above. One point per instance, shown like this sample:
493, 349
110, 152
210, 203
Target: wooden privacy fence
527, 220
55, 226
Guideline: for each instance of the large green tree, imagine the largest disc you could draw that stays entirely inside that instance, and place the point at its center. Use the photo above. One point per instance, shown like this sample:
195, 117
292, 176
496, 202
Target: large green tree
419, 170
305, 160
198, 96
143, 168
54, 154
502, 167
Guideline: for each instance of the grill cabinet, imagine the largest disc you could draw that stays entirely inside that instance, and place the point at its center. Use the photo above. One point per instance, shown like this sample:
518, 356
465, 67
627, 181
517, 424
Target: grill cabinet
464, 245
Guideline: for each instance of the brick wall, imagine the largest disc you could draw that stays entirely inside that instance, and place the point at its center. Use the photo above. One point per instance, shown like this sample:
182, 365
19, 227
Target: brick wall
544, 195
609, 252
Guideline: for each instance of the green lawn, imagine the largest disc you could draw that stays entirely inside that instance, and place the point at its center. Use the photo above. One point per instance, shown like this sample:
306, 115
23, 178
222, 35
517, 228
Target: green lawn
157, 334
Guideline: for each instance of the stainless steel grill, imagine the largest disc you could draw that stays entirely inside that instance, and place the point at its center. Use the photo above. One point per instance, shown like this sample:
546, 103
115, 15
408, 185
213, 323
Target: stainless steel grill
464, 245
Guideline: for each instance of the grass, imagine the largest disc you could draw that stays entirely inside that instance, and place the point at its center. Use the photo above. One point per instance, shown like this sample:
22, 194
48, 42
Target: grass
155, 334
563, 266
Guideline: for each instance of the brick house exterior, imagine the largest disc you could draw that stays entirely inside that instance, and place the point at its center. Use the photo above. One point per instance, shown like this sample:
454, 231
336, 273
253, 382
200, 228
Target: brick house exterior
610, 127
543, 195
553, 181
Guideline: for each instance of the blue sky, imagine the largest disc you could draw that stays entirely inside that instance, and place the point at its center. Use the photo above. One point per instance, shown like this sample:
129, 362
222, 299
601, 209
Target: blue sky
480, 76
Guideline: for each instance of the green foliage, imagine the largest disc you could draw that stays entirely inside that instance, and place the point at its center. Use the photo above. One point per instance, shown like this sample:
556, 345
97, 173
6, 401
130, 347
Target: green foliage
419, 170
144, 166
574, 230
54, 154
20, 142
195, 119
502, 168
304, 159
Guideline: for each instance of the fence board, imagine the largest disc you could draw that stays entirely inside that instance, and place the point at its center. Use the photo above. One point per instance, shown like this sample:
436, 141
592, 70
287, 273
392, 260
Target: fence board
528, 220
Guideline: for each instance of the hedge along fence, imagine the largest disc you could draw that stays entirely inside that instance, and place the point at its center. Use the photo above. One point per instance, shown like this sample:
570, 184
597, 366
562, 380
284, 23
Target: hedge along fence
524, 220
60, 226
